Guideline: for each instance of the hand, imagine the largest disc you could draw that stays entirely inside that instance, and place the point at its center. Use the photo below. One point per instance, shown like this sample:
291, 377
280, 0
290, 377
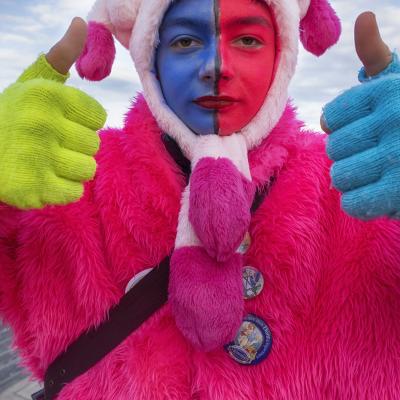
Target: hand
364, 127
48, 133
66, 51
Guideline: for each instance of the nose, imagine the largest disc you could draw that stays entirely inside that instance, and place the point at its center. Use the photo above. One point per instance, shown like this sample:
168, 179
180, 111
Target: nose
226, 65
216, 66
208, 70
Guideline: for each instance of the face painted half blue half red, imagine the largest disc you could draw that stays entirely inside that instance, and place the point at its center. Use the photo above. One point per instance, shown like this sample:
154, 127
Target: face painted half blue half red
185, 62
215, 62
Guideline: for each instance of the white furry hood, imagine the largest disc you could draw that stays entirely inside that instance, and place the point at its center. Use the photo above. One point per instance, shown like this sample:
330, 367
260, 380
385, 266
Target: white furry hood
135, 24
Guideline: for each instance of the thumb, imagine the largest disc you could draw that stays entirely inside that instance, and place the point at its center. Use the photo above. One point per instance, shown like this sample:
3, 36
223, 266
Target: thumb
65, 52
371, 49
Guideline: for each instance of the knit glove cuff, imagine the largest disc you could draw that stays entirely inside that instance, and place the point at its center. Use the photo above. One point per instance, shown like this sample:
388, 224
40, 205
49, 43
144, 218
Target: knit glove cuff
42, 69
392, 68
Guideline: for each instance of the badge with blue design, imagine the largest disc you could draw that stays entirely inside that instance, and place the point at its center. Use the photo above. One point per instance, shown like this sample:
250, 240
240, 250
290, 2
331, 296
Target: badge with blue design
253, 282
252, 343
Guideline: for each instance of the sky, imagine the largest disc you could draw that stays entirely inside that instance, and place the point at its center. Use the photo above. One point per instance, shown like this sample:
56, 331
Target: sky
30, 27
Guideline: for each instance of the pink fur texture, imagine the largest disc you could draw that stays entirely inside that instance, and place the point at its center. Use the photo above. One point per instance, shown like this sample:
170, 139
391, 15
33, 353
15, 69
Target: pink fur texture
98, 55
320, 28
206, 297
332, 283
220, 202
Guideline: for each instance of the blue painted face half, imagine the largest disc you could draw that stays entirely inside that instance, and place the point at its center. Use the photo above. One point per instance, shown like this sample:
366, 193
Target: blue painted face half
185, 61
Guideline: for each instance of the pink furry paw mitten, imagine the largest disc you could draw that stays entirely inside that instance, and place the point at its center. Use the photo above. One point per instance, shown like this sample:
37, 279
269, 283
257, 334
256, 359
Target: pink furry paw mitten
98, 55
206, 289
206, 297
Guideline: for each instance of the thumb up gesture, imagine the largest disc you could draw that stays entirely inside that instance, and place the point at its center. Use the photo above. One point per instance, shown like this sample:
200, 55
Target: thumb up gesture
65, 52
364, 130
48, 130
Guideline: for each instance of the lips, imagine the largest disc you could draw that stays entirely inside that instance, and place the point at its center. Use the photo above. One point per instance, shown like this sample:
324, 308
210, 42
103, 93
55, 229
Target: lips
215, 102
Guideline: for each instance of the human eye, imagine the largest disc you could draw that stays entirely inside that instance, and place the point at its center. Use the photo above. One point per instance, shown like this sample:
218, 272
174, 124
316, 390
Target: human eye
248, 42
184, 43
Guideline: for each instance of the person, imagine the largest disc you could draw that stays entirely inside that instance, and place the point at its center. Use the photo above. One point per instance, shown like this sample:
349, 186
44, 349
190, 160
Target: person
74, 231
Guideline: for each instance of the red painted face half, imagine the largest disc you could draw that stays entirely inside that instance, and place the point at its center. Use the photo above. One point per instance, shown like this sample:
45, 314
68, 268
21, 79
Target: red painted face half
247, 49
216, 62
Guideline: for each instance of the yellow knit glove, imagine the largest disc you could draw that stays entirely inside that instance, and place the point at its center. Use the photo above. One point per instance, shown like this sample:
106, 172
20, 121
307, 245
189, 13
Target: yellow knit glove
48, 139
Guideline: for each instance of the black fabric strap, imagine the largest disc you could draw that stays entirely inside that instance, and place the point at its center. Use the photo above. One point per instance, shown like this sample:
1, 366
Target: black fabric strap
176, 153
134, 308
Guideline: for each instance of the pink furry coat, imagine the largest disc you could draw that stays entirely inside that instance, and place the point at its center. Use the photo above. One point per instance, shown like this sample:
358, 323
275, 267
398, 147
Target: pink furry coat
332, 283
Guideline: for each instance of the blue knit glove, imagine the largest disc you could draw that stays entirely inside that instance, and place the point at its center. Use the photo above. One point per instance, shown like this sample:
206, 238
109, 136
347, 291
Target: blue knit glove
365, 144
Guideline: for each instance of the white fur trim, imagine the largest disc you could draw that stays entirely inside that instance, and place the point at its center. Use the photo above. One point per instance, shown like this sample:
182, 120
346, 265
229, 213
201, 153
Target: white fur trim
118, 16
304, 5
232, 147
123, 13
99, 13
185, 235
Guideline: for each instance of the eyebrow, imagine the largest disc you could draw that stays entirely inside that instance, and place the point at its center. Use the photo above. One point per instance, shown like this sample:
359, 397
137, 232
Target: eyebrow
187, 23
251, 20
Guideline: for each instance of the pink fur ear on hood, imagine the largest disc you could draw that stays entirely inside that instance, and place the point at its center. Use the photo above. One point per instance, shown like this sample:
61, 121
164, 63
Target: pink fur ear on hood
320, 28
97, 57
107, 19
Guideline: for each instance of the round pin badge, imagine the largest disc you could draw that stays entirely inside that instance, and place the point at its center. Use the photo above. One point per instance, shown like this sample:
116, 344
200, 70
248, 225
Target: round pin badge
253, 282
244, 246
253, 342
